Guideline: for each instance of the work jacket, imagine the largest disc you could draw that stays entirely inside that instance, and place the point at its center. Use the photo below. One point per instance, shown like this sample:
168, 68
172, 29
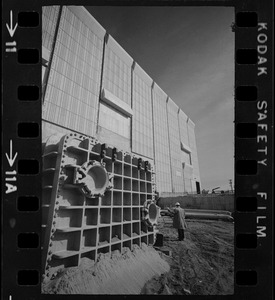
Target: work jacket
179, 218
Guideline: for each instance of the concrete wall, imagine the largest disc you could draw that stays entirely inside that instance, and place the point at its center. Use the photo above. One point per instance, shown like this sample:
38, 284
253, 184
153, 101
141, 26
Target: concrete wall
215, 202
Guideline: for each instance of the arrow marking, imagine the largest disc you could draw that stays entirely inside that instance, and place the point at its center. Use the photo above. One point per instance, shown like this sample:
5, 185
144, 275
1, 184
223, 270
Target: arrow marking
10, 158
10, 28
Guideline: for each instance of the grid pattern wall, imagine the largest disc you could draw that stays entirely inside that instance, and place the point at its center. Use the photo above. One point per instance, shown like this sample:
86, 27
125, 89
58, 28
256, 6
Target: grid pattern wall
49, 19
72, 92
117, 75
162, 153
174, 138
142, 133
194, 155
77, 226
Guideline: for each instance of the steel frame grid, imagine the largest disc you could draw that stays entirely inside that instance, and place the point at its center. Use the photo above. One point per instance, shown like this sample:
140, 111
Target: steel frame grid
76, 226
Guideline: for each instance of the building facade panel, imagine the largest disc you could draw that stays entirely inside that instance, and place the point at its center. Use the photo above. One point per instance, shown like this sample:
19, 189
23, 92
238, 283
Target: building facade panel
117, 71
175, 147
183, 128
161, 141
93, 87
73, 86
116, 95
194, 156
49, 20
185, 152
142, 127
113, 127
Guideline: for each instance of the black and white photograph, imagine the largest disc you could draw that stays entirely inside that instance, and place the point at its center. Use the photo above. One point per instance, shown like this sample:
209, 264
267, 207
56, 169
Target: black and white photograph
138, 150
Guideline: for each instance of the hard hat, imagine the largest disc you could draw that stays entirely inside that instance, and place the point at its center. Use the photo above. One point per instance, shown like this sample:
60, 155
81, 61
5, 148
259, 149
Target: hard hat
177, 204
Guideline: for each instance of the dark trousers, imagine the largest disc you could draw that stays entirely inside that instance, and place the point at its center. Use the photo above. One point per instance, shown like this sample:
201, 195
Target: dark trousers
181, 234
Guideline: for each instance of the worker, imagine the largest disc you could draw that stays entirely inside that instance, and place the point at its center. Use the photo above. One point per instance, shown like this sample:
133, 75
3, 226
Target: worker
179, 220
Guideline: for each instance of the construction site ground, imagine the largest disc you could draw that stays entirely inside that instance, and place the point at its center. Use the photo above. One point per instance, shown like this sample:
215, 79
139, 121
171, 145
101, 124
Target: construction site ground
202, 264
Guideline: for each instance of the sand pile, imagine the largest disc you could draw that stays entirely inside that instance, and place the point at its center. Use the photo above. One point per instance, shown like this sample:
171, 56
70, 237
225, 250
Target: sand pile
118, 273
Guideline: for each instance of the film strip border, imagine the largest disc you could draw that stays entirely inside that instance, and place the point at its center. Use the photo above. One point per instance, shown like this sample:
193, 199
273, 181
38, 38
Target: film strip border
21, 159
22, 149
253, 144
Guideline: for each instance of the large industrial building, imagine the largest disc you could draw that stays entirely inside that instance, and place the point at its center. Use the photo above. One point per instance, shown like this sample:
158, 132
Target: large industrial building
112, 140
92, 86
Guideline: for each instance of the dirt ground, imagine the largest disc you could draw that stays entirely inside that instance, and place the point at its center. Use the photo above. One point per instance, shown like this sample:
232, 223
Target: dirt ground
202, 264
123, 272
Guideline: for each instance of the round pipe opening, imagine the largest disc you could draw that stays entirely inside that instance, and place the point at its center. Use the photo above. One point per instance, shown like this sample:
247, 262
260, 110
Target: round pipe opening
97, 179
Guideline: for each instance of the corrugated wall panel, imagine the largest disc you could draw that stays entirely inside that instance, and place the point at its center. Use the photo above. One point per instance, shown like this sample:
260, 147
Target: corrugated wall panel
161, 141
117, 71
49, 19
188, 170
142, 130
194, 155
183, 127
72, 93
174, 138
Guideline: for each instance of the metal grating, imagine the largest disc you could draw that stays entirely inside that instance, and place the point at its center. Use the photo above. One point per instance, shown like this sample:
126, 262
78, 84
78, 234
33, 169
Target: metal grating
78, 222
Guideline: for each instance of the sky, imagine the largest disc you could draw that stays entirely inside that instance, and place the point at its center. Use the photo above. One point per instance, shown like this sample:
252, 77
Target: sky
189, 53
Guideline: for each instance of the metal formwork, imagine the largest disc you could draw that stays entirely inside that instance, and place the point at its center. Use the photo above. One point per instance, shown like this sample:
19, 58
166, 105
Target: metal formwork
96, 199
